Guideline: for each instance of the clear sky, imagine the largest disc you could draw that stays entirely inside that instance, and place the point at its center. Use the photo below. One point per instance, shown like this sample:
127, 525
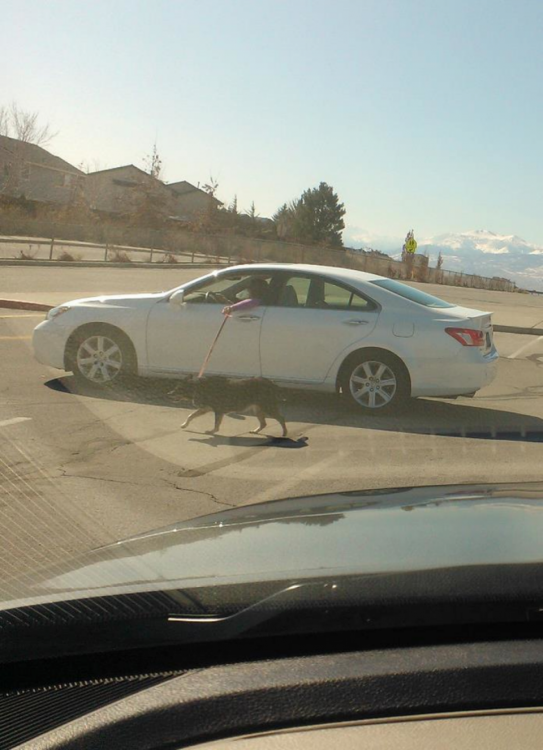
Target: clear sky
421, 113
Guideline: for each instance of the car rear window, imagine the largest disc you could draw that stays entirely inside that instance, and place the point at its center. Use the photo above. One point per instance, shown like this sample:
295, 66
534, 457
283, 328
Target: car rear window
410, 293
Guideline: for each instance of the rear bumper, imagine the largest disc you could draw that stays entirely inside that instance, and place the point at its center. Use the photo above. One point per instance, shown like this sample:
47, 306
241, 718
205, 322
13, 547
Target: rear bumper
49, 343
465, 374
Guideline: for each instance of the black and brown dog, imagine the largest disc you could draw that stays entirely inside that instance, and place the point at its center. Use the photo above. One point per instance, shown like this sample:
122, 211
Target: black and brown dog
223, 395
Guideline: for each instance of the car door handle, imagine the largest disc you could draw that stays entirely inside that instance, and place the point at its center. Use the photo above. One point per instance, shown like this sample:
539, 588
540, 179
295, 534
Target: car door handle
247, 318
355, 322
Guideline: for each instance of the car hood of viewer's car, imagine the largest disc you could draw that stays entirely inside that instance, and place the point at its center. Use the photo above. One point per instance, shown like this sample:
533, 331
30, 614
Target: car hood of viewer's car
353, 533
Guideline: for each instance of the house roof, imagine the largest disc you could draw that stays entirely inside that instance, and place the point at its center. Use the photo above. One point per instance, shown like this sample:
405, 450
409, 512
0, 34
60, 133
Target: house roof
179, 188
35, 155
183, 187
116, 169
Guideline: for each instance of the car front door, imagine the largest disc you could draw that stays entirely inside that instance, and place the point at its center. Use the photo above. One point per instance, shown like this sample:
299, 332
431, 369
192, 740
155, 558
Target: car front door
179, 336
314, 321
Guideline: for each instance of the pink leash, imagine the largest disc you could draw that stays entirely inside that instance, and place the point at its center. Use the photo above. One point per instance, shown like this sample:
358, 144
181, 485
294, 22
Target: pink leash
210, 352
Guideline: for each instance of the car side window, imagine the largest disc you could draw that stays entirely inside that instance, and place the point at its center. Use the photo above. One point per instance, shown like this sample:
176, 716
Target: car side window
223, 290
295, 292
337, 297
316, 293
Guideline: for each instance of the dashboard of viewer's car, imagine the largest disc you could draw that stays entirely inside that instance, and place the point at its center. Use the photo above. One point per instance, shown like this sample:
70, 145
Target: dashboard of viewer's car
399, 690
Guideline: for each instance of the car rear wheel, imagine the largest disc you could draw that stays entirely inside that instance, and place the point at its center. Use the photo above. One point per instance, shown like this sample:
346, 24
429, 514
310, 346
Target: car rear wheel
100, 357
375, 381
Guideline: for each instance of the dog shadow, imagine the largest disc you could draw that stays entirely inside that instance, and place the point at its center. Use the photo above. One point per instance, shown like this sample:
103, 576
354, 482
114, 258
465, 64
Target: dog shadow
466, 418
251, 441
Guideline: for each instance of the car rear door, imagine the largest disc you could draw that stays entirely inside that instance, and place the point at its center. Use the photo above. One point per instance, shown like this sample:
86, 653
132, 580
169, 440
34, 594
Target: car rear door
314, 319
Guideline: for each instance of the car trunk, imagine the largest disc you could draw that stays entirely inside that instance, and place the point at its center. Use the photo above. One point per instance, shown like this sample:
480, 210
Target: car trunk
465, 317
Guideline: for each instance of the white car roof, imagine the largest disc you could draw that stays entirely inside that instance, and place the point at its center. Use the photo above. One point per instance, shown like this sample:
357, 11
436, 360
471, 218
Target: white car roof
341, 274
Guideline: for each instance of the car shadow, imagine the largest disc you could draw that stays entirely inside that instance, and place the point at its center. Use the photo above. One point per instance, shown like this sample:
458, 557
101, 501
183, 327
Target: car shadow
466, 418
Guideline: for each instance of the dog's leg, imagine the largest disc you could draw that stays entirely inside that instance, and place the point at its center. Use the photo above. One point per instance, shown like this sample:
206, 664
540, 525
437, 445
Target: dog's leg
276, 414
218, 421
197, 413
261, 419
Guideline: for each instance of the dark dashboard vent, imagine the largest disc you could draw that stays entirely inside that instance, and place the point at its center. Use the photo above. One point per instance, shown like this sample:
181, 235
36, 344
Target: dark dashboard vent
27, 714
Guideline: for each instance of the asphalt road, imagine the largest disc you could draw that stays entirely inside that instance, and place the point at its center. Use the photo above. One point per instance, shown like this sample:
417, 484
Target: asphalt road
80, 469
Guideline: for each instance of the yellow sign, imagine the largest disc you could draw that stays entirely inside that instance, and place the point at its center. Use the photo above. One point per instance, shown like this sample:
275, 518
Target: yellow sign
411, 245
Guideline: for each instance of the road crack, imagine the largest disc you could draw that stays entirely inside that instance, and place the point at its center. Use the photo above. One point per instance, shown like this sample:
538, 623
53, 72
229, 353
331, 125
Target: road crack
210, 495
65, 474
172, 485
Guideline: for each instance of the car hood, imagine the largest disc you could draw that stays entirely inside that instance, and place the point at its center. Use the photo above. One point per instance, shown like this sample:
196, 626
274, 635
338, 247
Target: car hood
118, 300
353, 533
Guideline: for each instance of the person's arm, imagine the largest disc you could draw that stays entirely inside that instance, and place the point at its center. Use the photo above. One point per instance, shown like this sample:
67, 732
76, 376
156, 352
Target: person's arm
245, 304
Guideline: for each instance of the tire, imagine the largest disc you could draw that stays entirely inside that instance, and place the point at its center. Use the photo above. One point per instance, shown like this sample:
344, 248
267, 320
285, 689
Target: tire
100, 356
375, 382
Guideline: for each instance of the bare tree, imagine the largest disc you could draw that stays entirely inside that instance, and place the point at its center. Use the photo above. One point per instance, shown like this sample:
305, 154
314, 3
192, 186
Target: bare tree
153, 163
4, 121
90, 165
24, 125
25, 128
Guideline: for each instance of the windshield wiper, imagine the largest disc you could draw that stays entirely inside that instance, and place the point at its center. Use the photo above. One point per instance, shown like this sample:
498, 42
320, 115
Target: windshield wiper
248, 619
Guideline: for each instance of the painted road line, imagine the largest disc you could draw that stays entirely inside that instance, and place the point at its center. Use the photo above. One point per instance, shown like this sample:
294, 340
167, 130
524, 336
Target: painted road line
524, 347
15, 338
15, 420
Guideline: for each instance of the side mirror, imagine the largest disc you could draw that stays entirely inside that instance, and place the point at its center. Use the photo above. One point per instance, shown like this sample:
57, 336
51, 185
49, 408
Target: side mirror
177, 298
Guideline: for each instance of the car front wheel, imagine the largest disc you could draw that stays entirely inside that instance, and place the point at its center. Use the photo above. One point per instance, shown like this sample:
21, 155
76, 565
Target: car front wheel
100, 357
375, 381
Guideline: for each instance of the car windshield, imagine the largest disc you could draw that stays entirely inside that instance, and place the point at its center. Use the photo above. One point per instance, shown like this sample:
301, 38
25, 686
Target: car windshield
410, 293
271, 310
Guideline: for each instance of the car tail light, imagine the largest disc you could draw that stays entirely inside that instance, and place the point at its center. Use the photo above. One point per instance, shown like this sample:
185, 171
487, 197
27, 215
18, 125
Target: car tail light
467, 336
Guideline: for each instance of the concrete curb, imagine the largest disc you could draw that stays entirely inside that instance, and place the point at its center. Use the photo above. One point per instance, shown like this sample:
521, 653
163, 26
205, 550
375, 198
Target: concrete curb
17, 304
103, 264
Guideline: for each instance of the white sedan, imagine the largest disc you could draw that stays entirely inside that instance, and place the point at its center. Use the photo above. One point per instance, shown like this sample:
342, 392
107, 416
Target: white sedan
376, 340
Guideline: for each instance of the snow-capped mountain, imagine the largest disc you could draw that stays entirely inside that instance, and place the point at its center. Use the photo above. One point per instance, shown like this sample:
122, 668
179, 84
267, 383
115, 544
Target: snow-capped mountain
479, 251
488, 254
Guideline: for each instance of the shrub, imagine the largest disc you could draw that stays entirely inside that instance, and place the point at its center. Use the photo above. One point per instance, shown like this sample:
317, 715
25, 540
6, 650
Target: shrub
119, 256
27, 255
169, 258
69, 257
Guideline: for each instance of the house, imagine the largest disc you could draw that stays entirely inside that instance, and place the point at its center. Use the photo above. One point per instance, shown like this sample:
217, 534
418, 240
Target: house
191, 201
121, 190
29, 170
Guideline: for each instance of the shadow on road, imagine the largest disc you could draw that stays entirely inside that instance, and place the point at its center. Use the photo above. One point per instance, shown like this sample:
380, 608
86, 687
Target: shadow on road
466, 418
251, 442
